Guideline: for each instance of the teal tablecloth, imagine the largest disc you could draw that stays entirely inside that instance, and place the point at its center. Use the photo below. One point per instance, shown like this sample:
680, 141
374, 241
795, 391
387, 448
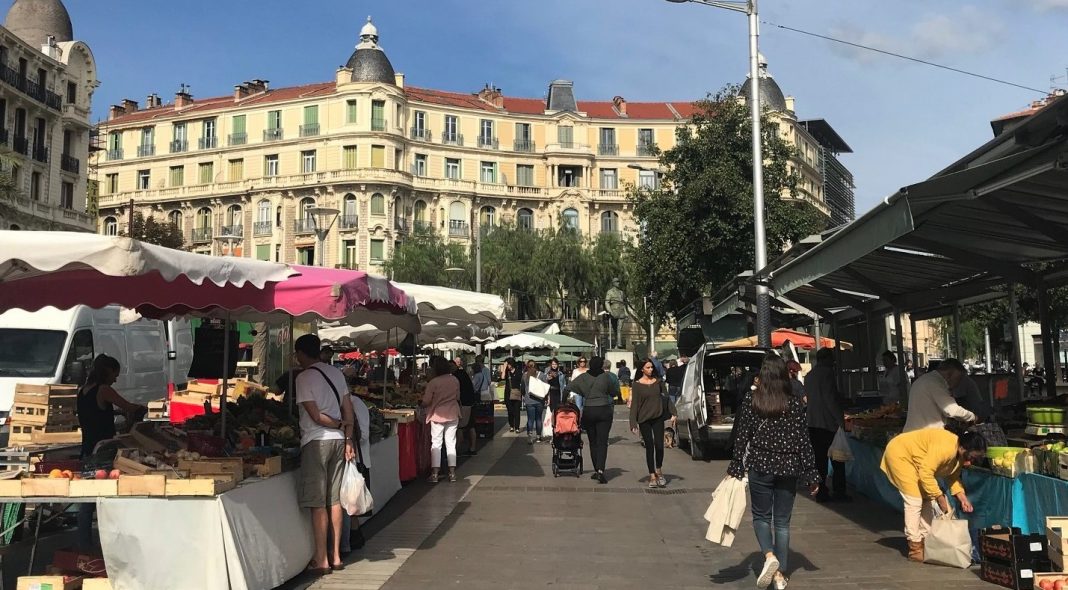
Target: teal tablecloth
1022, 502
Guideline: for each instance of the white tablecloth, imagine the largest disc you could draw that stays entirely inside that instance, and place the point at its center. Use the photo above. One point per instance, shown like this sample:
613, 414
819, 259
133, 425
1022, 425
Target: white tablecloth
385, 470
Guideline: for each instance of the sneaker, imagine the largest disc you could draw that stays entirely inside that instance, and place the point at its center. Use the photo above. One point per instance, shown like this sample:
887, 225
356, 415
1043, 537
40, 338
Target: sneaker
661, 481
653, 483
780, 583
771, 567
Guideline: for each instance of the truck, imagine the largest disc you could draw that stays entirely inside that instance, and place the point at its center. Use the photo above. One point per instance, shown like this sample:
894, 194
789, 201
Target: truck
53, 346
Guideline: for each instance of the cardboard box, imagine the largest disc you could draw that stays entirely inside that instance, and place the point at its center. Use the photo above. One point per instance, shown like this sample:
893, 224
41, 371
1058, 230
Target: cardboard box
1051, 577
1057, 533
49, 583
1016, 577
1057, 561
1009, 547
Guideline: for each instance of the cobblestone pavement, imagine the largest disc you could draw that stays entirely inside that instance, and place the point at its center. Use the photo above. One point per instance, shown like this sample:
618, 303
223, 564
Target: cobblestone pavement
510, 524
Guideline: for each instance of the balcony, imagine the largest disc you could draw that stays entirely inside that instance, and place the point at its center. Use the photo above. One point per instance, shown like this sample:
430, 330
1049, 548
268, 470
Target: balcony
490, 143
304, 226
452, 138
422, 225
70, 164
201, 235
523, 145
400, 224
419, 168
348, 222
237, 138
262, 228
378, 124
112, 154
33, 89
422, 134
208, 143
40, 153
272, 135
458, 229
567, 145
179, 145
309, 130
647, 150
22, 146
144, 151
232, 230
606, 149
348, 265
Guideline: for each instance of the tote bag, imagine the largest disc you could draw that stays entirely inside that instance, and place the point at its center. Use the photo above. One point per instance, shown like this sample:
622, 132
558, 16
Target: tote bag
949, 543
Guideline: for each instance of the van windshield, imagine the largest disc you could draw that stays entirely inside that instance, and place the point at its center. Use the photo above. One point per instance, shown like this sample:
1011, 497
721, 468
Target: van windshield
30, 353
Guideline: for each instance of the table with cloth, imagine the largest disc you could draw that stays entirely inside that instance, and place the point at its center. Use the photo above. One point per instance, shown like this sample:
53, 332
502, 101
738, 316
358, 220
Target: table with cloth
1024, 501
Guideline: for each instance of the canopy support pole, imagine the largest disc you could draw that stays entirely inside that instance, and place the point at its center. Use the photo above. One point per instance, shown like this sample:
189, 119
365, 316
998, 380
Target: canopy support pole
385, 369
289, 371
838, 356
872, 368
1017, 364
225, 372
958, 346
915, 345
899, 341
1049, 358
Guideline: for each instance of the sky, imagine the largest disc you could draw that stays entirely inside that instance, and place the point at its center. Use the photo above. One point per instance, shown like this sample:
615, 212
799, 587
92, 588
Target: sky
904, 121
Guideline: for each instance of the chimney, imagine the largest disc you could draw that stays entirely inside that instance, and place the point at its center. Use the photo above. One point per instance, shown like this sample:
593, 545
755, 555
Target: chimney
130, 106
240, 91
152, 101
1037, 104
491, 95
183, 98
115, 111
256, 86
398, 80
790, 103
621, 105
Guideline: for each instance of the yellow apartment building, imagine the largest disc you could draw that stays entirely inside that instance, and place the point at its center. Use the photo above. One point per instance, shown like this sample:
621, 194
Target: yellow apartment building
389, 157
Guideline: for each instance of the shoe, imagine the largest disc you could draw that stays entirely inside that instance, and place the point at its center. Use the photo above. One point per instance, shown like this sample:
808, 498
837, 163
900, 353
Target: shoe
432, 479
601, 478
452, 478
767, 574
653, 484
916, 551
661, 481
780, 583
594, 475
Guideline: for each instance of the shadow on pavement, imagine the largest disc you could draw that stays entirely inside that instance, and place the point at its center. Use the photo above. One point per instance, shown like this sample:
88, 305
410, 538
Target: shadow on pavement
750, 568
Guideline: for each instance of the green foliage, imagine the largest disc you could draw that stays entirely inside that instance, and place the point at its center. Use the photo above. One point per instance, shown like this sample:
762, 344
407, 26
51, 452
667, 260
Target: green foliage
424, 257
154, 232
699, 223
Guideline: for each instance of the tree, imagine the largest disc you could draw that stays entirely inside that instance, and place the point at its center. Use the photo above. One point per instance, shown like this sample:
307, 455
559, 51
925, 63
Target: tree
698, 225
161, 234
424, 257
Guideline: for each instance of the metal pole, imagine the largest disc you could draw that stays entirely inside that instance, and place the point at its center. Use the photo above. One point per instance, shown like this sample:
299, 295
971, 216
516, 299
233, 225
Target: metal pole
915, 345
478, 259
763, 323
1016, 341
129, 221
957, 345
989, 360
1049, 357
838, 358
899, 341
226, 372
870, 349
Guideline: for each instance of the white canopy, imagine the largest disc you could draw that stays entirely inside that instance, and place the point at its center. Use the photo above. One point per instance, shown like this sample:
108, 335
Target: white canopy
538, 340
445, 305
452, 346
368, 336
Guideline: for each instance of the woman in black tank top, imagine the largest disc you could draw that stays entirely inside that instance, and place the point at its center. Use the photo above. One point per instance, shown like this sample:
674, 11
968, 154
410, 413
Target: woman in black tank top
97, 401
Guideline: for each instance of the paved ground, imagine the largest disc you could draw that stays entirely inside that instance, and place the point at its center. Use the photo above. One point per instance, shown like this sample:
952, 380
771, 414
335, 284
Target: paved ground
510, 524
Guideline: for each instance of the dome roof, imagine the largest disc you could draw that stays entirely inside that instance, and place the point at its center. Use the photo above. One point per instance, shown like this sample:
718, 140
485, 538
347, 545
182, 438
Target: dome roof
34, 21
368, 62
771, 96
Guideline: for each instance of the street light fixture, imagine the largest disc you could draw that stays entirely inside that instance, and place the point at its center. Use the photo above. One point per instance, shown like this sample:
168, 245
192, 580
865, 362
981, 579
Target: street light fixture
230, 241
322, 218
749, 7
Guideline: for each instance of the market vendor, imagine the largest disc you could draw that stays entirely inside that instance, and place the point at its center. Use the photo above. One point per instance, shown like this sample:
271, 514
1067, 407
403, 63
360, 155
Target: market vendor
892, 380
914, 462
930, 401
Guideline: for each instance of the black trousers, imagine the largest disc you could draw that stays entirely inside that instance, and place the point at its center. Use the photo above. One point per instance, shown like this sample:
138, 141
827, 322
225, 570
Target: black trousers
597, 421
513, 405
653, 437
821, 443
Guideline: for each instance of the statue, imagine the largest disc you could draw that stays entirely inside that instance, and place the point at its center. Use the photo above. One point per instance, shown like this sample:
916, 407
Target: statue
617, 312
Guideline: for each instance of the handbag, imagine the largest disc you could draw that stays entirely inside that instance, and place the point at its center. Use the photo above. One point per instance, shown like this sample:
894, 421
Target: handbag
949, 542
537, 388
840, 450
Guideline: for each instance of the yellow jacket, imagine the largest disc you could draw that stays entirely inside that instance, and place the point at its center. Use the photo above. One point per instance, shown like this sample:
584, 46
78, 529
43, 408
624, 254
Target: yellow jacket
913, 460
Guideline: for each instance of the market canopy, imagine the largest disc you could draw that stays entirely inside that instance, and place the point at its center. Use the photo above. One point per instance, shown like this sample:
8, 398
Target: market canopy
781, 336
535, 341
445, 305
369, 336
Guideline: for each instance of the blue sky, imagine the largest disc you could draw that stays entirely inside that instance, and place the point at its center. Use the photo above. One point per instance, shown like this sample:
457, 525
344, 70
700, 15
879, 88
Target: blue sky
904, 121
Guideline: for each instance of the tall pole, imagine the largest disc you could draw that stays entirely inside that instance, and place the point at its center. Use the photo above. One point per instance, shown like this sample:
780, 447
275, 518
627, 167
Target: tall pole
129, 221
763, 300
989, 360
478, 259
1016, 361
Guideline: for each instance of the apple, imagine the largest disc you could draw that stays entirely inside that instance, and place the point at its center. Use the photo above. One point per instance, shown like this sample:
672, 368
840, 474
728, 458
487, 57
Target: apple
1058, 585
115, 473
1045, 585
101, 474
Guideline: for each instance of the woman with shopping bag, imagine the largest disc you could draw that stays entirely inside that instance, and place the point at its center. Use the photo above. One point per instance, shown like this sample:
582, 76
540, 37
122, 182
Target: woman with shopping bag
914, 461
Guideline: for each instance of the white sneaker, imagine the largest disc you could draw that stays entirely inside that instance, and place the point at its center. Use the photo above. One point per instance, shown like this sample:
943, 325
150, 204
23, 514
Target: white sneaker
771, 567
780, 583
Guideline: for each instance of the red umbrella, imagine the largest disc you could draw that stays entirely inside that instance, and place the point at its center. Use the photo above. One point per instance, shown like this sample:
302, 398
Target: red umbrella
782, 336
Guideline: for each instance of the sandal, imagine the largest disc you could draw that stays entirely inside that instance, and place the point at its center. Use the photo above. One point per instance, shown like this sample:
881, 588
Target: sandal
316, 571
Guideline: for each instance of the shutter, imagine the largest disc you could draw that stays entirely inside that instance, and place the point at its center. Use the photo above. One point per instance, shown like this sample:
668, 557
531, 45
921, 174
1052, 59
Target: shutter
239, 124
263, 252
378, 156
311, 115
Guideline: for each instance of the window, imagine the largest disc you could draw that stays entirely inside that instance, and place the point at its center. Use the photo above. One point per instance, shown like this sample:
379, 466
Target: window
203, 220
608, 145
111, 226
35, 186
263, 211
206, 172
263, 252
348, 158
310, 127
378, 250
175, 219
177, 177
378, 156
278, 253
419, 168
180, 143
646, 142
452, 168
148, 142
648, 179
524, 174
274, 119
525, 219
457, 219
571, 219
609, 179
451, 133
485, 134
349, 254
114, 139
378, 204
66, 195
609, 222
419, 125
208, 138
112, 183
420, 212
351, 111
489, 172
398, 159
238, 136
233, 220
487, 217
270, 165
307, 161
237, 170
306, 256
524, 142
378, 115
143, 180
72, 93
350, 215
565, 135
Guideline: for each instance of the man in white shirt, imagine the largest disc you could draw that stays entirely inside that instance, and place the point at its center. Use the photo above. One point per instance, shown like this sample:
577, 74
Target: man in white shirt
891, 380
930, 400
326, 420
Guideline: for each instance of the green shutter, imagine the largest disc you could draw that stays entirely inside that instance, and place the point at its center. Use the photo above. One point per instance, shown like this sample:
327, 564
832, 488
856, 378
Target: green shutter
311, 115
350, 157
239, 124
351, 111
378, 248
263, 252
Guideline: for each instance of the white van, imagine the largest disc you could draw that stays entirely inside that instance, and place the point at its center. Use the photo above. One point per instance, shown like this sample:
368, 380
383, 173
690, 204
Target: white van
53, 346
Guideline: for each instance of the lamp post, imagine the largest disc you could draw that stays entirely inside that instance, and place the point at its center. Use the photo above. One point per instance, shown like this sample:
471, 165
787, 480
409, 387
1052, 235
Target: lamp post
322, 218
454, 276
749, 7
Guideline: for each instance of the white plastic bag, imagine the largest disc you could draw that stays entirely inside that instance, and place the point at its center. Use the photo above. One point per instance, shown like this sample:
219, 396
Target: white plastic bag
355, 497
949, 543
840, 450
547, 422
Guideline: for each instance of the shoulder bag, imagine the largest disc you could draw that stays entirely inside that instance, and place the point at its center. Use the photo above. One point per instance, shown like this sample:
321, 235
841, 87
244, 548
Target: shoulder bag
364, 470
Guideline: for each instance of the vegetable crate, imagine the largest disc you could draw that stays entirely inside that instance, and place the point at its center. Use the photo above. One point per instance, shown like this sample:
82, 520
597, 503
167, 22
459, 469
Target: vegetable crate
44, 410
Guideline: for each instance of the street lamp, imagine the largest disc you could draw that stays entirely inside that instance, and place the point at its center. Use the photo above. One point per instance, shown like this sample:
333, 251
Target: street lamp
455, 272
322, 218
749, 7
229, 241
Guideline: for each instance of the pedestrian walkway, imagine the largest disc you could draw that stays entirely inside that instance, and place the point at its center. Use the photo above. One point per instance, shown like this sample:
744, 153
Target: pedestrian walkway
510, 524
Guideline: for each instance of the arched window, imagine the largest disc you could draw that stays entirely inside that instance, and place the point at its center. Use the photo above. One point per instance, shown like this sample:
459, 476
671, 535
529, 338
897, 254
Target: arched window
457, 219
232, 221
263, 212
378, 204
487, 217
525, 219
203, 218
305, 221
305, 204
175, 217
350, 215
610, 222
111, 226
420, 211
571, 219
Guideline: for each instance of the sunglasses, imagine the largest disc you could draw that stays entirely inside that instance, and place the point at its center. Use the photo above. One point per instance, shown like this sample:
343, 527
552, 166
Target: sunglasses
582, 362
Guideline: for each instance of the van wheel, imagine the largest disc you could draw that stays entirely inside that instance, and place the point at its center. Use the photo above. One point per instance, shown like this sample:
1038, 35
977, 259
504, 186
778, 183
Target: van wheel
697, 446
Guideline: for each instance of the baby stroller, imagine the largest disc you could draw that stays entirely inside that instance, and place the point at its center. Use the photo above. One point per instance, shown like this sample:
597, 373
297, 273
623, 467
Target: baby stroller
567, 441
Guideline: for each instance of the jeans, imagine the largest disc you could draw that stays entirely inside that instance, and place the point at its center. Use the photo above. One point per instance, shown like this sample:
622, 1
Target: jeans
439, 431
597, 421
773, 503
513, 406
535, 414
821, 443
653, 436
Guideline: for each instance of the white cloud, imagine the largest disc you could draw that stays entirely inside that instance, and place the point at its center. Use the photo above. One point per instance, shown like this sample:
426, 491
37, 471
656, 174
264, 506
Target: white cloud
966, 32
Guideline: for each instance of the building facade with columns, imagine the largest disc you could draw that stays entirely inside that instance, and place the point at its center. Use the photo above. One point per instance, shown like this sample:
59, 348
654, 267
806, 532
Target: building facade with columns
47, 81
390, 157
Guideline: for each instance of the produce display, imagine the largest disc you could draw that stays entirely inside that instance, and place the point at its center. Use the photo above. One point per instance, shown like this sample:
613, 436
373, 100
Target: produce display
878, 425
1054, 583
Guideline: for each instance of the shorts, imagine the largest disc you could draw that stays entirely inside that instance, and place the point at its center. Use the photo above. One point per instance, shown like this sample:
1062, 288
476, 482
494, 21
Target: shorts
321, 468
465, 417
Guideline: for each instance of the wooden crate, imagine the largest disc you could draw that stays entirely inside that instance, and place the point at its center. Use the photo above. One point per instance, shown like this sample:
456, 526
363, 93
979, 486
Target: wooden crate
14, 459
24, 433
158, 410
56, 438
208, 486
92, 488
96, 584
45, 486
142, 485
128, 466
270, 467
10, 488
49, 583
233, 466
